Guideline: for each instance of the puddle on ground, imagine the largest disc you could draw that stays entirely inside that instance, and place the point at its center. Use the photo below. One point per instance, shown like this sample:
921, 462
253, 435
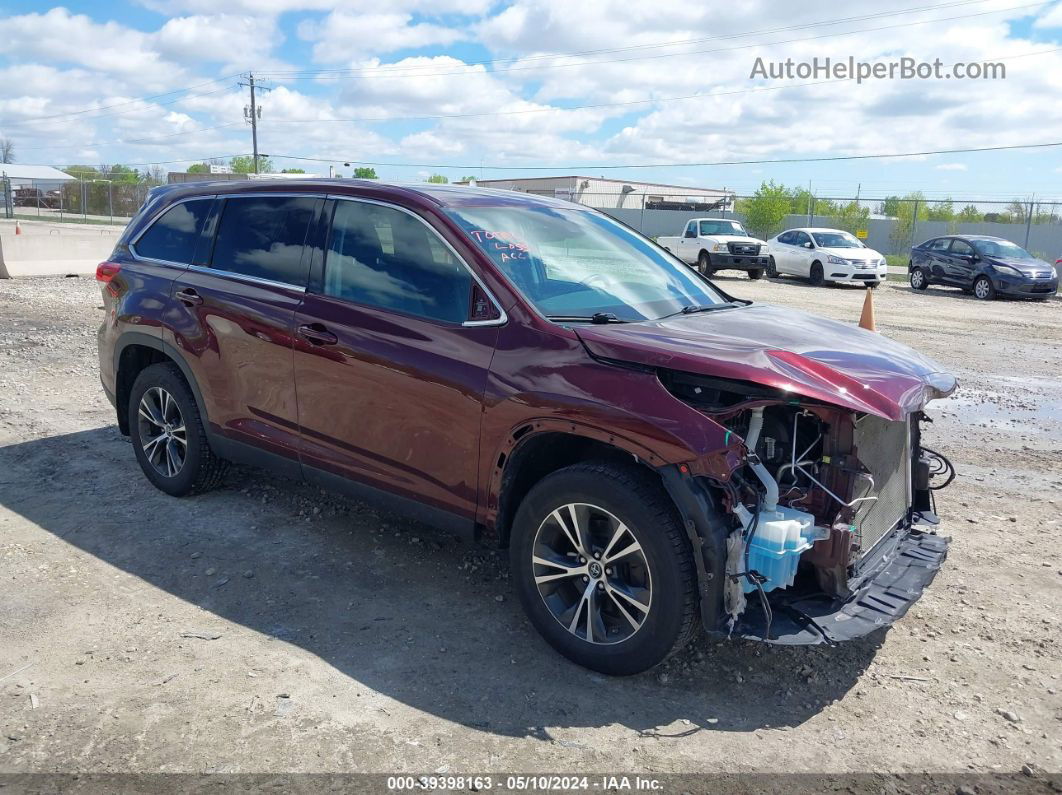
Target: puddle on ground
1029, 414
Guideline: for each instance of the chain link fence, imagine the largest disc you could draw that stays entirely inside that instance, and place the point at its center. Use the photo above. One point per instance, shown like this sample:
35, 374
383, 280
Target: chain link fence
90, 199
891, 225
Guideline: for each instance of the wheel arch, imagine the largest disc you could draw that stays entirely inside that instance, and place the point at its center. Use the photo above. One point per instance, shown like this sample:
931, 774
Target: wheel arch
133, 353
537, 448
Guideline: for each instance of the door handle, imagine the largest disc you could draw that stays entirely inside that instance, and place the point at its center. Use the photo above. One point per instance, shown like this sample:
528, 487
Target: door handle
317, 334
189, 297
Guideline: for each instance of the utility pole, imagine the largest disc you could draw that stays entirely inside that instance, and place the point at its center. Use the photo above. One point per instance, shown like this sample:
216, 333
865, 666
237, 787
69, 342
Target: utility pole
253, 114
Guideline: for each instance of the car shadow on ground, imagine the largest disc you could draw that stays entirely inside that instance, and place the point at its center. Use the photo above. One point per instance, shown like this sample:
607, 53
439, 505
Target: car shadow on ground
420, 618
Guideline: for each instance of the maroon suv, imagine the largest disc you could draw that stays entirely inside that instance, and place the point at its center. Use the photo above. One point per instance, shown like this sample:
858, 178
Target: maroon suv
657, 455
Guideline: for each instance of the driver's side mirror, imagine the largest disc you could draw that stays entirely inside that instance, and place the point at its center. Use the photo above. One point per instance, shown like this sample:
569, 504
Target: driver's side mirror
809, 244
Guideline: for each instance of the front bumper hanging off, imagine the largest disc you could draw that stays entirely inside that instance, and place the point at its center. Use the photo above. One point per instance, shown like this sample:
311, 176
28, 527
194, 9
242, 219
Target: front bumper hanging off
891, 579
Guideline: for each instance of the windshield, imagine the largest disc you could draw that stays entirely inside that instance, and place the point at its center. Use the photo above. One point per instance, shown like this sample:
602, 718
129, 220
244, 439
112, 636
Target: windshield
723, 228
836, 240
1000, 249
577, 263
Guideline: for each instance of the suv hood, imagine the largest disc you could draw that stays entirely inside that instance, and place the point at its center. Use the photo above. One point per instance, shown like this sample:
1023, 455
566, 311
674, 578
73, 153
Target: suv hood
782, 348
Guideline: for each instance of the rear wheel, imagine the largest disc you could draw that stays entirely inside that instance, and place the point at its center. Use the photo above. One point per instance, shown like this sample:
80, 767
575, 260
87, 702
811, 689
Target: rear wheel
816, 277
756, 273
167, 433
983, 289
603, 568
772, 269
704, 263
918, 279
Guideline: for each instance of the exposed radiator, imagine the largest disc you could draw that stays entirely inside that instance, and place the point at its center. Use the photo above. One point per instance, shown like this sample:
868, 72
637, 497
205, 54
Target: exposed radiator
885, 448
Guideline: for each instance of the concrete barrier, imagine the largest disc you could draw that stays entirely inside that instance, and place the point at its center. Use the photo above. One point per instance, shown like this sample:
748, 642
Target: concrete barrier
43, 252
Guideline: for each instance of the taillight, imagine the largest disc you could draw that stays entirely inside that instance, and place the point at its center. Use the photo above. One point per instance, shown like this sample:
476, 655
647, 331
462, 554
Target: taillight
106, 271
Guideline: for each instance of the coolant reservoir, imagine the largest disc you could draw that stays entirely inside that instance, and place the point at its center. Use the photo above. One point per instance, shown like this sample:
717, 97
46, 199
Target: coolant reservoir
781, 537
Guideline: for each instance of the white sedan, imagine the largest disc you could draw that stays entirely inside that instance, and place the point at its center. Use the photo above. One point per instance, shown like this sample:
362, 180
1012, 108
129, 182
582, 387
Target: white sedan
825, 255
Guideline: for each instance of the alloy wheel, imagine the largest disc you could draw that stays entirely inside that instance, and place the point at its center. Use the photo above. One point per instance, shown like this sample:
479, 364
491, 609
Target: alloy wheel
917, 277
982, 289
162, 432
592, 573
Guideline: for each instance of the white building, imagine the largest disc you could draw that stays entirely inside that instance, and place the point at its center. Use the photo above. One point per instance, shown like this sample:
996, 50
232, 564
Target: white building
45, 178
605, 193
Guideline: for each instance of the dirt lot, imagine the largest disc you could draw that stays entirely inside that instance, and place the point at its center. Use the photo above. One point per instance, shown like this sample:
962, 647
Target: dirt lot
270, 627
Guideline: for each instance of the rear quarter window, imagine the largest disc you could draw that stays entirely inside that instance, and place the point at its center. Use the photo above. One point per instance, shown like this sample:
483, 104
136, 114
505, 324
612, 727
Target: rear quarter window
174, 235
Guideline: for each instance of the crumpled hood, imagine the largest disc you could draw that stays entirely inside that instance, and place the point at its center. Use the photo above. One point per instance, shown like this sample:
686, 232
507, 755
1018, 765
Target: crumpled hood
783, 348
1026, 266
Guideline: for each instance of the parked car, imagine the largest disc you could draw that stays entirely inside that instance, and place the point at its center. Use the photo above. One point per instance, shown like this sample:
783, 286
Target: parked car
985, 266
714, 244
825, 255
656, 454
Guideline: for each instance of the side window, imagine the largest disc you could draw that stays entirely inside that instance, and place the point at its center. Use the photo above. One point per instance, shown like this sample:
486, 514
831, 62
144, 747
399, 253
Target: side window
786, 237
173, 237
800, 238
691, 229
387, 258
961, 247
263, 237
940, 244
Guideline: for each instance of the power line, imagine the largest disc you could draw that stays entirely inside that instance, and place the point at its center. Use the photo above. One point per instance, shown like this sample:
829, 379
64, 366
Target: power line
163, 162
764, 161
408, 71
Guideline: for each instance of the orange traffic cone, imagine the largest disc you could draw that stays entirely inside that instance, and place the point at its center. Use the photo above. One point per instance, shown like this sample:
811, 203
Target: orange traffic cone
866, 319
18, 228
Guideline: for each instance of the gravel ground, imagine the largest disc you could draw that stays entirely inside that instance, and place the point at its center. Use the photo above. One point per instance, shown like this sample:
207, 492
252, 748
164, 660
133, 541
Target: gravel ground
270, 627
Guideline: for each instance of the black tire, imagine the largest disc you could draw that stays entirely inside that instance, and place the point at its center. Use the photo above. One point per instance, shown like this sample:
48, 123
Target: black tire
200, 469
704, 263
983, 289
634, 498
816, 277
756, 273
918, 278
772, 269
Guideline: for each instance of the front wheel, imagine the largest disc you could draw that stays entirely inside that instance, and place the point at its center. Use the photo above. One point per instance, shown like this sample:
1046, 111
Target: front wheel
918, 279
756, 273
704, 263
772, 269
983, 289
816, 276
603, 567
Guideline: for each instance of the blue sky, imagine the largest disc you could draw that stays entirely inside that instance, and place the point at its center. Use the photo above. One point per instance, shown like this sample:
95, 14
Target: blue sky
507, 85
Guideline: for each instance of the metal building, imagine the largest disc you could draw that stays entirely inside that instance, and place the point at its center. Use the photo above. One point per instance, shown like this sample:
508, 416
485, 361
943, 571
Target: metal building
605, 193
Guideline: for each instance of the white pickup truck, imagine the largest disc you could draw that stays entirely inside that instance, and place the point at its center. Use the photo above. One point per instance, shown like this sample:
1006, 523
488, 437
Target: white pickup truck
714, 244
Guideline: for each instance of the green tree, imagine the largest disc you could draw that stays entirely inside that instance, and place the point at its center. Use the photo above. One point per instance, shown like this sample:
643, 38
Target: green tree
890, 207
82, 171
940, 211
469, 178
244, 164
120, 174
851, 217
438, 179
909, 211
7, 150
1016, 210
293, 171
969, 214
365, 172
767, 208
198, 168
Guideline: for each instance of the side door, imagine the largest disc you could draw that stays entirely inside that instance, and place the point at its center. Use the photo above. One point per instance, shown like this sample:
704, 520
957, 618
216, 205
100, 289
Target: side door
961, 263
689, 244
389, 366
937, 260
780, 251
234, 315
801, 255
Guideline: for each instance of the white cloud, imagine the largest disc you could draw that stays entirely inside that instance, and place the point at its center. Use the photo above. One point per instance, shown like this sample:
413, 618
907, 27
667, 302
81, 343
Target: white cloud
342, 34
1052, 18
951, 167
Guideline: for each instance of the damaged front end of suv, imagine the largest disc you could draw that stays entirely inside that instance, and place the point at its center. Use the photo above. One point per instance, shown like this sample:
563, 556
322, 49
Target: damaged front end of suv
815, 521
833, 514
